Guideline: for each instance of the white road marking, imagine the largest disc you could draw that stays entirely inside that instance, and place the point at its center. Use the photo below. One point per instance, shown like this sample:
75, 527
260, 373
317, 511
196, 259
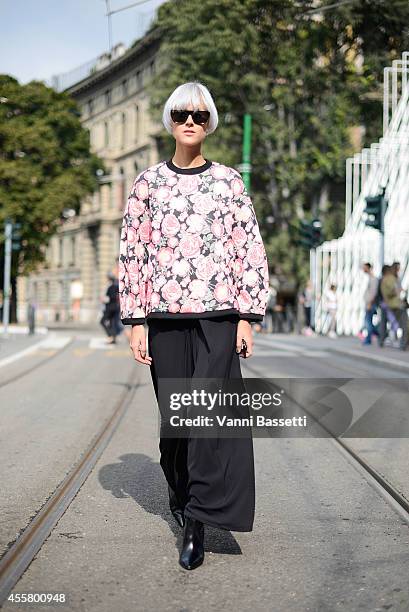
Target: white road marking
51, 342
99, 344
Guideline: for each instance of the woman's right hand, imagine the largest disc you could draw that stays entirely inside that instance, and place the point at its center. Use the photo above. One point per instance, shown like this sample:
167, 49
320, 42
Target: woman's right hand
138, 344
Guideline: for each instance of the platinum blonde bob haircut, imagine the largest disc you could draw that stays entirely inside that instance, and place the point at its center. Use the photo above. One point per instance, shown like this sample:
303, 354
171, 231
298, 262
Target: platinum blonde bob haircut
193, 93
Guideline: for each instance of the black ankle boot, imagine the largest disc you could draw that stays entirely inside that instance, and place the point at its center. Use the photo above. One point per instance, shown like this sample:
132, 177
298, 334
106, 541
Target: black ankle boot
175, 508
192, 553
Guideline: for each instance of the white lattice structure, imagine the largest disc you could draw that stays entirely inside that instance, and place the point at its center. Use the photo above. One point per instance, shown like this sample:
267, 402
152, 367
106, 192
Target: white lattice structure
384, 164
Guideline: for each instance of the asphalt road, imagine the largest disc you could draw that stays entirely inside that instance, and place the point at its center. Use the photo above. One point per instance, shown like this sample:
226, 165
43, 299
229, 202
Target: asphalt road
324, 537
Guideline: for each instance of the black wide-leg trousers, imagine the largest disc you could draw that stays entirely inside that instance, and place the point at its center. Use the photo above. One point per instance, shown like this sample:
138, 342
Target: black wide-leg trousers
213, 478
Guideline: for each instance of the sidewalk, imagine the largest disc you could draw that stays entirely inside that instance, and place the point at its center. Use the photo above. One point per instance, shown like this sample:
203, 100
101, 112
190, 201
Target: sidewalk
349, 345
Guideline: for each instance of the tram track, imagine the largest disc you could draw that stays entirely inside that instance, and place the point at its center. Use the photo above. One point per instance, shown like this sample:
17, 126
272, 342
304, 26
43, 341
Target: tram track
35, 366
23, 549
378, 481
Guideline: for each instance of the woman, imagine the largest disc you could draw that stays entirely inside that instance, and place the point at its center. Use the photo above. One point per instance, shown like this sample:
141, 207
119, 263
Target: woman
193, 267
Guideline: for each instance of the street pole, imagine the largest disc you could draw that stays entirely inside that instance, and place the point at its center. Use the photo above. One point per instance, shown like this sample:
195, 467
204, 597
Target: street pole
382, 232
313, 259
245, 166
8, 229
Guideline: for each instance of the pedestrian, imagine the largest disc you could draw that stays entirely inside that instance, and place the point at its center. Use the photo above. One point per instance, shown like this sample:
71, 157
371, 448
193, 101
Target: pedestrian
306, 299
270, 305
394, 306
331, 304
111, 315
370, 304
193, 267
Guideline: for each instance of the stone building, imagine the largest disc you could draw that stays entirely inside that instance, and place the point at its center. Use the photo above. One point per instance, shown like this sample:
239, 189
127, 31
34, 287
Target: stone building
114, 108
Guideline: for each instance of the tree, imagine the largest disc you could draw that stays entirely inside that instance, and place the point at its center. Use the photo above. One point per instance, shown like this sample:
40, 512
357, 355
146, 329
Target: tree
45, 165
308, 79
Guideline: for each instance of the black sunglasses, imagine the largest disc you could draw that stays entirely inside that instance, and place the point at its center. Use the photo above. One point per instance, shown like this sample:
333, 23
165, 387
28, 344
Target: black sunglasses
199, 117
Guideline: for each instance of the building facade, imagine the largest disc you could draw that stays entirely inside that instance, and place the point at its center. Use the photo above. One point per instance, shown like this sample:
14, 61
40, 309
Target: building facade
71, 285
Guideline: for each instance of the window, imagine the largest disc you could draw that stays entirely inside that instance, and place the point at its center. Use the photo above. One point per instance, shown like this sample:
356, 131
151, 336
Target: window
136, 115
72, 255
60, 251
121, 191
138, 79
123, 130
108, 97
152, 67
106, 134
47, 291
90, 107
124, 87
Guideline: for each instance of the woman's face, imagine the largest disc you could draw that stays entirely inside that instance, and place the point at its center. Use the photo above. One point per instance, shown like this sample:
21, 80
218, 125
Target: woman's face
190, 133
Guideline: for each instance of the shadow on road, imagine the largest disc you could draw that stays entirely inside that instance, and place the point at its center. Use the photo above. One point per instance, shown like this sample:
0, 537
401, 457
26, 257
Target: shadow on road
139, 477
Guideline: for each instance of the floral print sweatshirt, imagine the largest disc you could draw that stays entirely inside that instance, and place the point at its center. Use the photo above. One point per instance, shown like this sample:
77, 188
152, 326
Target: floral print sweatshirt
191, 246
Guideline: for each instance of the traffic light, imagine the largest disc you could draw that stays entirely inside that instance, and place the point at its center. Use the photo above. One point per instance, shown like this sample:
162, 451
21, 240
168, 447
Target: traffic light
310, 233
16, 237
374, 212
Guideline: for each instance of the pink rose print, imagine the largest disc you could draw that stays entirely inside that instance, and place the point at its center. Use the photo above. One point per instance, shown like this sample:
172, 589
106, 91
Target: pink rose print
178, 203
139, 250
195, 223
237, 186
171, 291
192, 306
243, 213
197, 288
156, 236
221, 189
165, 171
250, 278
180, 267
218, 249
228, 222
136, 207
221, 292
218, 172
255, 255
145, 291
165, 257
245, 301
238, 267
203, 203
145, 230
190, 245
174, 307
170, 225
188, 183
151, 175
155, 299
141, 190
239, 236
205, 268
217, 228
162, 194
130, 303
133, 269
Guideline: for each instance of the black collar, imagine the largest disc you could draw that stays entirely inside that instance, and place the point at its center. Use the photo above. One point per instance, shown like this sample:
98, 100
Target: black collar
196, 170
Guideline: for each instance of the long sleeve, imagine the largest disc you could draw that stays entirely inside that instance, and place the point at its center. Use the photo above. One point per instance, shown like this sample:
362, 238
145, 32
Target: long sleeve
250, 265
133, 257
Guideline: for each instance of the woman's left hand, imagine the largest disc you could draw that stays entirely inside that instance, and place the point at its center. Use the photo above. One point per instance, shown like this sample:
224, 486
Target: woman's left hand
244, 332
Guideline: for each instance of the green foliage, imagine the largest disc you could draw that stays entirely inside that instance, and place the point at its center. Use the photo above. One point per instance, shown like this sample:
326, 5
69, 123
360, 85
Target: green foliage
318, 76
45, 163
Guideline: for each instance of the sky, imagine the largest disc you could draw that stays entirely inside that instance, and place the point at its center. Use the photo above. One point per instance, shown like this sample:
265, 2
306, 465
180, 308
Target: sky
41, 38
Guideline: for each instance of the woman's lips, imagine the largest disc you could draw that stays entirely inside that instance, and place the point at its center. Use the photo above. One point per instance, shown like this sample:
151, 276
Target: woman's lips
188, 132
